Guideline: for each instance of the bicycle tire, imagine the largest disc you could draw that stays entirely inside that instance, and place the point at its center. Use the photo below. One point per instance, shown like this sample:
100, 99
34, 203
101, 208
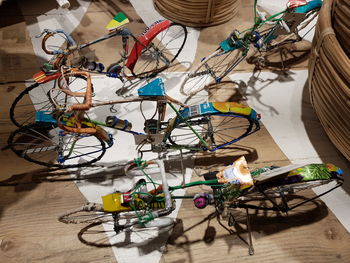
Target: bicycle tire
30, 119
46, 144
287, 189
212, 69
92, 213
144, 67
219, 130
35, 98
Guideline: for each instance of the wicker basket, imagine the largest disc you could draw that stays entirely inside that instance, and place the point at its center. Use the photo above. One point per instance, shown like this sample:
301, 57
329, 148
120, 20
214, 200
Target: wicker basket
341, 19
329, 74
197, 13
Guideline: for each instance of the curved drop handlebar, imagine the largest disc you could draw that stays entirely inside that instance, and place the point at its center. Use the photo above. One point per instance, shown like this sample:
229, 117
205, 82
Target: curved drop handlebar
49, 33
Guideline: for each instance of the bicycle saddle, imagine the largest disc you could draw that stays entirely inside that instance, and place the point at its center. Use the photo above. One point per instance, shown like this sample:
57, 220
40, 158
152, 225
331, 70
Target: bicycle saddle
296, 3
154, 88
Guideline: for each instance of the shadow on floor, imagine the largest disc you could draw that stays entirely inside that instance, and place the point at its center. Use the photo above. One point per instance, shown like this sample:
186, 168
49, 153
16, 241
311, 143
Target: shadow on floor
320, 141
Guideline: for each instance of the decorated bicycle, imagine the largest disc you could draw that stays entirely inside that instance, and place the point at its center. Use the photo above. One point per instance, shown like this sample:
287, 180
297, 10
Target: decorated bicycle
69, 133
266, 35
232, 187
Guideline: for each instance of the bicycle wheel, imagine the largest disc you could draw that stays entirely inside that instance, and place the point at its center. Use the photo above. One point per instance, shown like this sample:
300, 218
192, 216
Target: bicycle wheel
50, 146
37, 98
93, 213
161, 52
217, 130
212, 69
291, 184
278, 191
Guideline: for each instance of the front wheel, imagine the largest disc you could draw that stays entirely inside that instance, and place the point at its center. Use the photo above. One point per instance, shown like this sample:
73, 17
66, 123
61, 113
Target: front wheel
45, 97
217, 131
92, 213
161, 52
48, 145
212, 69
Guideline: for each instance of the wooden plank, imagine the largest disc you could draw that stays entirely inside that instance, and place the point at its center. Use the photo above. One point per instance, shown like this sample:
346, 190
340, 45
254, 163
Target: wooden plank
32, 198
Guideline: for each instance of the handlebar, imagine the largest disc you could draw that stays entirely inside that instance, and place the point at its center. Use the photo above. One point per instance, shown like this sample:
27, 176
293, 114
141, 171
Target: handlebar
147, 219
72, 45
80, 108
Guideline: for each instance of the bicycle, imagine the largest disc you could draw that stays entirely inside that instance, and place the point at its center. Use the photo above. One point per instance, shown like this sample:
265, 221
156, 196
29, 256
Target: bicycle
233, 187
153, 51
66, 133
234, 49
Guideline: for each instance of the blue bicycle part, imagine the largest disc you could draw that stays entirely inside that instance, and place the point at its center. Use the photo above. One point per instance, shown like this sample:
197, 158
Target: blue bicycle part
154, 88
314, 4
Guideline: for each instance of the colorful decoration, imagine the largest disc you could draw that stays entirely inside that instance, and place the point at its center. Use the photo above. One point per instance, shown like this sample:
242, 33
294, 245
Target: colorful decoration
41, 77
119, 20
237, 173
233, 107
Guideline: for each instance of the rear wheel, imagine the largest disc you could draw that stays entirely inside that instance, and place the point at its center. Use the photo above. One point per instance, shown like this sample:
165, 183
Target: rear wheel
161, 52
217, 130
50, 146
286, 189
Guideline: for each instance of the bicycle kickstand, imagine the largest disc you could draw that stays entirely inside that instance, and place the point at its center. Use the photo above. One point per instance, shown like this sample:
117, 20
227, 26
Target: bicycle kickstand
282, 59
182, 169
250, 242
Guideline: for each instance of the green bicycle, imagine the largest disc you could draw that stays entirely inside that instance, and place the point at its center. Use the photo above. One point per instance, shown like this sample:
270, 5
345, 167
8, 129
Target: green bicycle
148, 202
267, 34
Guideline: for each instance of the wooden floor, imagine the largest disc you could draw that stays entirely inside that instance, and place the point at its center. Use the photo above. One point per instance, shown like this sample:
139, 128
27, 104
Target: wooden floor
32, 196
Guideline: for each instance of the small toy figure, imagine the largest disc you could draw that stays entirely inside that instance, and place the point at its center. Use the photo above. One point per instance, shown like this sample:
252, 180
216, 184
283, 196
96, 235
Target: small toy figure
237, 173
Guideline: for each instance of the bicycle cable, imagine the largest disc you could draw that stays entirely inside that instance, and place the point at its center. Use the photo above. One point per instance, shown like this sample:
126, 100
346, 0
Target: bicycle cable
16, 81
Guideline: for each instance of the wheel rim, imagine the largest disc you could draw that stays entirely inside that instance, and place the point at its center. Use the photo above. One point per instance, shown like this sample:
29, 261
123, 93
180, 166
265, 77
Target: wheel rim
37, 98
170, 43
218, 130
211, 70
51, 147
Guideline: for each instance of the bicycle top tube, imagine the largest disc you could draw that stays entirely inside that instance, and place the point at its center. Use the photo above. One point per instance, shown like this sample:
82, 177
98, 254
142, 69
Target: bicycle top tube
116, 32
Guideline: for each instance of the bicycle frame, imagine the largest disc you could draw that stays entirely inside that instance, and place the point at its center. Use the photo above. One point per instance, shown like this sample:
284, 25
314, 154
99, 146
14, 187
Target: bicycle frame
72, 120
327, 173
221, 62
148, 205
